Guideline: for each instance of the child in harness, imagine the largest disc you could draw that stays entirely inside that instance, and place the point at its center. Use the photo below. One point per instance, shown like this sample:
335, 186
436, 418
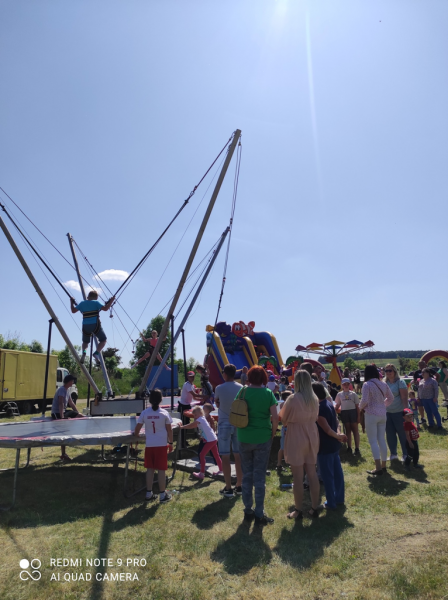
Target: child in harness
91, 324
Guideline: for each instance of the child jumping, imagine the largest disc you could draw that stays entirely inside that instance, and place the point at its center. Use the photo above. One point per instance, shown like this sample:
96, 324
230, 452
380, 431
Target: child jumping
159, 441
211, 441
91, 324
412, 435
152, 344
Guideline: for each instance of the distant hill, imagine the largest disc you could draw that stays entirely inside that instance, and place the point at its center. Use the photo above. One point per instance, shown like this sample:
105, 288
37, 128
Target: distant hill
370, 356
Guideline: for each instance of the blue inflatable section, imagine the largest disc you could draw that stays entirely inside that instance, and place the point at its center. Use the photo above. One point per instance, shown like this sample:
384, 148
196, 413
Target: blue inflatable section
164, 379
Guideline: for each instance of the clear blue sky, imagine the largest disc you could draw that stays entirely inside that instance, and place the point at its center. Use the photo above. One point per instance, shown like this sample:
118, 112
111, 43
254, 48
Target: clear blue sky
111, 111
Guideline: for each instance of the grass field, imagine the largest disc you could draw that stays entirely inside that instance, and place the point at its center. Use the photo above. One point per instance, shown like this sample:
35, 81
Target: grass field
389, 542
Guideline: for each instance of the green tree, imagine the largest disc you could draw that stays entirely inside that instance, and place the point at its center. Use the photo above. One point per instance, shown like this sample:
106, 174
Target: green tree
141, 347
413, 364
191, 363
13, 341
350, 364
404, 364
111, 360
66, 360
36, 346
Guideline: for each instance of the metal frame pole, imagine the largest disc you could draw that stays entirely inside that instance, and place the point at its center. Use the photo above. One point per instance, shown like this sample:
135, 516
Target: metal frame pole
190, 308
162, 334
47, 364
90, 371
185, 356
172, 363
47, 304
83, 292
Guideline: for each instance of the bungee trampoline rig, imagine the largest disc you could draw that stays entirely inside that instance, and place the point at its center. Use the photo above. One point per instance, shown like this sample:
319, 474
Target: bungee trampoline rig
204, 268
113, 430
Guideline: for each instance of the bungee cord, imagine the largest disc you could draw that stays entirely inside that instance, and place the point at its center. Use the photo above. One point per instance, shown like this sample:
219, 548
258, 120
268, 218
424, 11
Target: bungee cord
38, 255
226, 260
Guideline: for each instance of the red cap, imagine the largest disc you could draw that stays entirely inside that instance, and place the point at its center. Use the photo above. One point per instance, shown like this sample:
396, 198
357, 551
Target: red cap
191, 373
407, 411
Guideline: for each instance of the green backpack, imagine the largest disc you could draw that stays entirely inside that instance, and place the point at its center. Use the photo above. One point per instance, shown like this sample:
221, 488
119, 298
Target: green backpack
239, 413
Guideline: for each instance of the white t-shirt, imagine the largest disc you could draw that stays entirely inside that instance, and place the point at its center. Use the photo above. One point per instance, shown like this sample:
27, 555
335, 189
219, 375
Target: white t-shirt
271, 385
186, 396
348, 400
155, 422
205, 431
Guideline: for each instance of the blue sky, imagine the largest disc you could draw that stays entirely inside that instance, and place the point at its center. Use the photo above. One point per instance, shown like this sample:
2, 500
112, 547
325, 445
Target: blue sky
110, 112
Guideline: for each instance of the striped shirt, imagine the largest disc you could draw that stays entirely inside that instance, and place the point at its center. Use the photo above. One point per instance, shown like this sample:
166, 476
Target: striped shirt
428, 389
376, 395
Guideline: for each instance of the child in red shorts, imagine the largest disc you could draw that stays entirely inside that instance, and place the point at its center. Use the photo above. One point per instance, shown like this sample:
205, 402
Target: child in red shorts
412, 436
158, 432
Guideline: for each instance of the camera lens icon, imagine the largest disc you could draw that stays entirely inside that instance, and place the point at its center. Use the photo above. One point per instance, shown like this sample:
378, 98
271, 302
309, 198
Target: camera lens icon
35, 565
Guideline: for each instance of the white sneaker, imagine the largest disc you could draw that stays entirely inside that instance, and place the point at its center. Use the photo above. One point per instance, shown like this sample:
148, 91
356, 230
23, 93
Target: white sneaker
403, 458
393, 457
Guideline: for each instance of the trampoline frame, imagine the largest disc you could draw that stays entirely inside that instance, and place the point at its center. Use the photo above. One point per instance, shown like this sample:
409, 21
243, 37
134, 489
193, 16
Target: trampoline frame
117, 440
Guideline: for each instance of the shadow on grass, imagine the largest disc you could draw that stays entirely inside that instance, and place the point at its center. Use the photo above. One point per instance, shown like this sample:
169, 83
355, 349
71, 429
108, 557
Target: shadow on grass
436, 431
352, 459
207, 517
386, 485
417, 474
252, 550
302, 545
67, 493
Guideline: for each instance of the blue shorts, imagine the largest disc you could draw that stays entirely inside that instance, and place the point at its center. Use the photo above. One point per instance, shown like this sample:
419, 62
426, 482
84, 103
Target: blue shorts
227, 438
88, 330
282, 439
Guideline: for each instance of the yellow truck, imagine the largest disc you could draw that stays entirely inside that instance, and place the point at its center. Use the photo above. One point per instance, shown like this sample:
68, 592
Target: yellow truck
22, 378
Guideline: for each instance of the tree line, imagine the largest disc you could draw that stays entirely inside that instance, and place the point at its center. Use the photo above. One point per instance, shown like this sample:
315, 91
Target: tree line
112, 359
370, 356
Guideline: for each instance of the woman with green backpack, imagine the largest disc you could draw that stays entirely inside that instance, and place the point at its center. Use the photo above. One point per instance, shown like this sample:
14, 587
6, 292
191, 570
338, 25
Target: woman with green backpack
255, 440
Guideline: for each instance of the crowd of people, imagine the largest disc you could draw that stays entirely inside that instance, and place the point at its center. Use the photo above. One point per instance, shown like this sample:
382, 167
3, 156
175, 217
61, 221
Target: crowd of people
316, 419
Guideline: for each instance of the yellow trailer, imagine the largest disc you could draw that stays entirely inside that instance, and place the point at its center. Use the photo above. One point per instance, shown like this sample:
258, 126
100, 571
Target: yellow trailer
22, 377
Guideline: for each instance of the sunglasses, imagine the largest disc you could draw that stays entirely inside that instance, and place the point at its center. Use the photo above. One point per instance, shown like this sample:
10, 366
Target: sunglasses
388, 370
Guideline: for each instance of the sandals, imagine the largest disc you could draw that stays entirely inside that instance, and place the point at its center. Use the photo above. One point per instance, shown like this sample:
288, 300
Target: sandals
314, 513
375, 472
297, 517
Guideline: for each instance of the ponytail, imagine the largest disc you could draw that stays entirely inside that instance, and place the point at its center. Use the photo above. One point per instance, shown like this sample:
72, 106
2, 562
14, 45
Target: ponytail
155, 398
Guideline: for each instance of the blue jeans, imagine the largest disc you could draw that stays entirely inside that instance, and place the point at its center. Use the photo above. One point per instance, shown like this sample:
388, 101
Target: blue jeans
333, 478
394, 427
432, 410
227, 438
254, 461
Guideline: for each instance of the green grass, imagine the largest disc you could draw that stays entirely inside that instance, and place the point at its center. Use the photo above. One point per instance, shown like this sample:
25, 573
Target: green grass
390, 541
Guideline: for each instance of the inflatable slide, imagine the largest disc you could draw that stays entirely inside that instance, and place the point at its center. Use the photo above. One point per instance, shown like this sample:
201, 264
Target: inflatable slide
240, 345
